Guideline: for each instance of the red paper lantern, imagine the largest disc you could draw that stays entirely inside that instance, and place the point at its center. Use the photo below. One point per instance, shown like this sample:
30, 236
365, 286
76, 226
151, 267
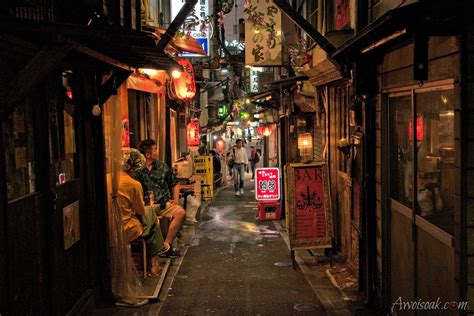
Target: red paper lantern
264, 130
183, 85
267, 130
192, 133
220, 145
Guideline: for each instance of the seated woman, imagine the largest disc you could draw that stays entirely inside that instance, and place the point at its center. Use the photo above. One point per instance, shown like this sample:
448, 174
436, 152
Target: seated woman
136, 219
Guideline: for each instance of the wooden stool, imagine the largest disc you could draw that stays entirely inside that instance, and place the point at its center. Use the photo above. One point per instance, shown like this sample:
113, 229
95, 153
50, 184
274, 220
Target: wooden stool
140, 243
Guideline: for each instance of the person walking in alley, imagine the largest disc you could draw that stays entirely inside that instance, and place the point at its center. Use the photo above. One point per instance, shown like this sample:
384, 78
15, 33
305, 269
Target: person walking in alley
239, 155
156, 176
254, 158
136, 219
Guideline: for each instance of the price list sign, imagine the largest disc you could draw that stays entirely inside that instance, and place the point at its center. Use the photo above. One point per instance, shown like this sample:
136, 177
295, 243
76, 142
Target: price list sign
309, 219
267, 184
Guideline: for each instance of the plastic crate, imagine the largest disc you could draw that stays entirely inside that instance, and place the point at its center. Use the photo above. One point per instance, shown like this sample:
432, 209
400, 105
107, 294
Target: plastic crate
268, 210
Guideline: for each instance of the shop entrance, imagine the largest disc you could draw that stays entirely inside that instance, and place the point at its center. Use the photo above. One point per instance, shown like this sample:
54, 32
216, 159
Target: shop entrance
421, 191
67, 251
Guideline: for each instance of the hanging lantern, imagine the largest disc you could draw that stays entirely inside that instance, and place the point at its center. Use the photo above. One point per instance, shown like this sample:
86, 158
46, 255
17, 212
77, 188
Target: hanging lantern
267, 130
192, 133
264, 130
183, 85
220, 145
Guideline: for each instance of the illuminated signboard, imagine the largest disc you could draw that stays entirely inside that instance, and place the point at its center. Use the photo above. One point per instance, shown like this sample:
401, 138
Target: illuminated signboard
267, 184
201, 11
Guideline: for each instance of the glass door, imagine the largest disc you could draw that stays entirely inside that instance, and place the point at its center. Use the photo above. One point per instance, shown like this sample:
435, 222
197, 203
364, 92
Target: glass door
422, 186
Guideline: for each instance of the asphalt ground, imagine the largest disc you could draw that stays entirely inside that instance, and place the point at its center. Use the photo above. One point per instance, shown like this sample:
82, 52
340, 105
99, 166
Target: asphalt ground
238, 265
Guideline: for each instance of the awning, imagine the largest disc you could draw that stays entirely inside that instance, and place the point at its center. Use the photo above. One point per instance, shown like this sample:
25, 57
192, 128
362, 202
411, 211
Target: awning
119, 47
433, 18
322, 70
136, 82
34, 49
185, 43
393, 21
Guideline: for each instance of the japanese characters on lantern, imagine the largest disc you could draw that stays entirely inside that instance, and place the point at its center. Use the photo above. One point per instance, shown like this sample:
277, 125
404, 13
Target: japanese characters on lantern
183, 86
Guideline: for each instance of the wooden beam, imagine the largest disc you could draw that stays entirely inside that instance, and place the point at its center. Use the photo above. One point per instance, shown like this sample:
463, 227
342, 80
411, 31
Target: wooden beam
111, 85
99, 56
305, 26
178, 20
41, 65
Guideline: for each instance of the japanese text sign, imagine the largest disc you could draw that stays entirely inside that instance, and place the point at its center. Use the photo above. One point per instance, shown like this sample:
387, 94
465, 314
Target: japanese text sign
263, 33
267, 184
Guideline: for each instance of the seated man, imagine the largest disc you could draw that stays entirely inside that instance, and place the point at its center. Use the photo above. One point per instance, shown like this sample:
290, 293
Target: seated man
136, 219
156, 176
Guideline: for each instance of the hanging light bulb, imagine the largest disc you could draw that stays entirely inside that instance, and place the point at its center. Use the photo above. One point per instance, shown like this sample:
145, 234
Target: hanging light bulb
96, 111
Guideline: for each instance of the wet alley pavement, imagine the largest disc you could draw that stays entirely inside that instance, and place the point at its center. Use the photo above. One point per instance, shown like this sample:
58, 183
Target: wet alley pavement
238, 265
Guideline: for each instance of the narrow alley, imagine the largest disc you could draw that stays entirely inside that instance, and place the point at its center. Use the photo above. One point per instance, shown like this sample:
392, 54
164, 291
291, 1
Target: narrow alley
237, 265
236, 157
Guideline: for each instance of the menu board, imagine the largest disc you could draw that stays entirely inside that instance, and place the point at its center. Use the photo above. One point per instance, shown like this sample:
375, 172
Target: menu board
308, 211
267, 184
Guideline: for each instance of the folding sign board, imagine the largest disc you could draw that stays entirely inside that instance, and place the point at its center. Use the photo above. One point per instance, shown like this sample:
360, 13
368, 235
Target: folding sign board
308, 210
267, 184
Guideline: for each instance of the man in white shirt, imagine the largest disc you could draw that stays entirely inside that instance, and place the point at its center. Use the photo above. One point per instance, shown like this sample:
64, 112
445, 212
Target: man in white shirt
239, 154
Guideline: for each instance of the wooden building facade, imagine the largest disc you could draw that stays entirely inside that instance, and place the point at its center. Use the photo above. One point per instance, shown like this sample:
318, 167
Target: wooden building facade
54, 248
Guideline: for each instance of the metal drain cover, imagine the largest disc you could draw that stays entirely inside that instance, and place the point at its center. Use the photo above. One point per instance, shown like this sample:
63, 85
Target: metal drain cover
306, 307
283, 264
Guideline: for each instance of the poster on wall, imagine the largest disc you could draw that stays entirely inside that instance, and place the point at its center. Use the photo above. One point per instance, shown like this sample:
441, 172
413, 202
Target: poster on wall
343, 17
308, 210
71, 224
262, 34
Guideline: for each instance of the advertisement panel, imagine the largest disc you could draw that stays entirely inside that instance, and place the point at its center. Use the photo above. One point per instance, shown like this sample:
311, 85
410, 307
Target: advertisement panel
267, 184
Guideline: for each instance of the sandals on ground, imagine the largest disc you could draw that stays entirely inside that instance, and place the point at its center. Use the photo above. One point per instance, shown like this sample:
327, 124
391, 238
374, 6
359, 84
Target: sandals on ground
155, 275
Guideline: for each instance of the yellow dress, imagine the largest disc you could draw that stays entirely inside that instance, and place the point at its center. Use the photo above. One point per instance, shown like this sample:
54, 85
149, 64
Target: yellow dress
130, 198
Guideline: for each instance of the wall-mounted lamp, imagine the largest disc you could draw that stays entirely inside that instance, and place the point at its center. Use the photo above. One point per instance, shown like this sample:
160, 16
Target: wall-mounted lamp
305, 146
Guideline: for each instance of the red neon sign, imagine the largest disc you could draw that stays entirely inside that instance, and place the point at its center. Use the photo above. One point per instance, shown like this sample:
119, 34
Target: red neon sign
419, 129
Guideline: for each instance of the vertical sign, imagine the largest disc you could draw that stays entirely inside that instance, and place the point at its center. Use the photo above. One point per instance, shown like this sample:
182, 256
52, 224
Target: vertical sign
262, 33
309, 220
254, 71
343, 16
267, 184
200, 12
